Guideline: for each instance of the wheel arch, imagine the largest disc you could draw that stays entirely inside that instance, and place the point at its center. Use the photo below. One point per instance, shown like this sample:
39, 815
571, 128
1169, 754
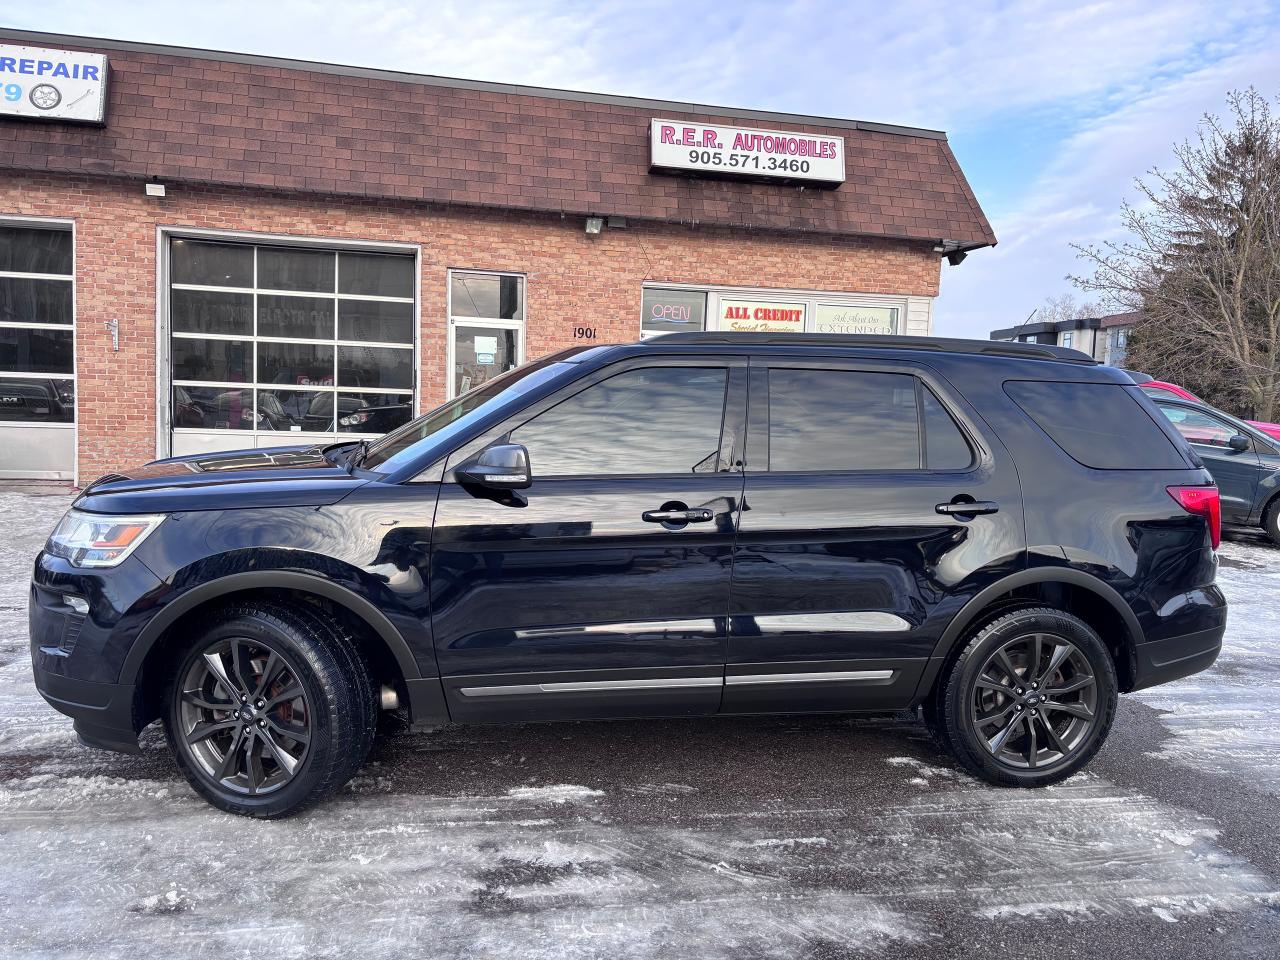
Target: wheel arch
150, 653
1096, 602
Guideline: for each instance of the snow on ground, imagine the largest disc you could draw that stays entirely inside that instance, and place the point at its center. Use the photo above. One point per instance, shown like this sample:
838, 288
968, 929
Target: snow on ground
1229, 716
780, 838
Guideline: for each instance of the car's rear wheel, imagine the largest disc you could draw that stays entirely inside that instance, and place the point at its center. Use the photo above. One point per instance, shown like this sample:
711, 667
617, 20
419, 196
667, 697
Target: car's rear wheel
1030, 700
270, 710
1271, 521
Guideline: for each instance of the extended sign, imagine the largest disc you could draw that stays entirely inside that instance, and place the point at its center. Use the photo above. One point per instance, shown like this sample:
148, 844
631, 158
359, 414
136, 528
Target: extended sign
741, 151
52, 84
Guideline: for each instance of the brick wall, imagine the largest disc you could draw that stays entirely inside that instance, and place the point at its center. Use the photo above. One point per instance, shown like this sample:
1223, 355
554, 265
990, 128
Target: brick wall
572, 279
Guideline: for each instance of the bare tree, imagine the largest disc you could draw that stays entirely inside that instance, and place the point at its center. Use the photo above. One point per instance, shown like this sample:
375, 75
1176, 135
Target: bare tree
1202, 262
1065, 307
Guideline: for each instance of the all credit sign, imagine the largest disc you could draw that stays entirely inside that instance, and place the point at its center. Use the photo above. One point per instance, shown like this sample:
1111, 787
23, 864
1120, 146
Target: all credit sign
742, 151
52, 84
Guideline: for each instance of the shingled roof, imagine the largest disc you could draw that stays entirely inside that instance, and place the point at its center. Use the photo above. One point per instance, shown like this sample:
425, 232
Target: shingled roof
225, 119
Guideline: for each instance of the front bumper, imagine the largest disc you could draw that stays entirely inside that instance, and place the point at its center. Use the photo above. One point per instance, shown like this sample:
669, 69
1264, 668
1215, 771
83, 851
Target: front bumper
102, 712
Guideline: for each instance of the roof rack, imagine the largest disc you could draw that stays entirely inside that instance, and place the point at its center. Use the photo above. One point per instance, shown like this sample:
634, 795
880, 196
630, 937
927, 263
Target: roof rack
999, 348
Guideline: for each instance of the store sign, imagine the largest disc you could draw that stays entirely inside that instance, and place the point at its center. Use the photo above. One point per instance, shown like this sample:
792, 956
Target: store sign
52, 84
775, 154
841, 318
757, 316
673, 311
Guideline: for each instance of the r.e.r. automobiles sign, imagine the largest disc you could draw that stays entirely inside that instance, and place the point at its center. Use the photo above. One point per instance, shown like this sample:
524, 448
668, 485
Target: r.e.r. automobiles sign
742, 151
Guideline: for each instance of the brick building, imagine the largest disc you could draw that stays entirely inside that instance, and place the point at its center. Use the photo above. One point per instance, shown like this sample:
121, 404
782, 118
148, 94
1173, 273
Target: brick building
204, 250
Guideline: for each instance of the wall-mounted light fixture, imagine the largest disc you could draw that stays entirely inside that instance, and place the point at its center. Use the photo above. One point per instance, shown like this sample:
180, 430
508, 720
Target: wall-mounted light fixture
155, 189
594, 226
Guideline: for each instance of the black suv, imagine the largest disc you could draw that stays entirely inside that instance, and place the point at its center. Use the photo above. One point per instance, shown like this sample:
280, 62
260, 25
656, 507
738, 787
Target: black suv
1004, 535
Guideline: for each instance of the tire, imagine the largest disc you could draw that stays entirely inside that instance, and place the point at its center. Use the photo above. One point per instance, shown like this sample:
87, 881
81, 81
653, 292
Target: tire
1056, 716
1271, 521
270, 710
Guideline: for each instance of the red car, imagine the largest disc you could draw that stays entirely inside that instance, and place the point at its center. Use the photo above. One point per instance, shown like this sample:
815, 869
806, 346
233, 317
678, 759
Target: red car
1162, 388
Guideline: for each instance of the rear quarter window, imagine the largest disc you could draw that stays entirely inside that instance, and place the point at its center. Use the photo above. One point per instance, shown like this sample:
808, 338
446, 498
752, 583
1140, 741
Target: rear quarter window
1100, 425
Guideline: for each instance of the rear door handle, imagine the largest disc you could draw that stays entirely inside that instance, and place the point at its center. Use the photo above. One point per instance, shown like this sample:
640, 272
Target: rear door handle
696, 515
969, 508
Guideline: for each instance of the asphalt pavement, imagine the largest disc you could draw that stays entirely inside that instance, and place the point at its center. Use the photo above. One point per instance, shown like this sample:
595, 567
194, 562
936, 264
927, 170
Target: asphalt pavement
787, 837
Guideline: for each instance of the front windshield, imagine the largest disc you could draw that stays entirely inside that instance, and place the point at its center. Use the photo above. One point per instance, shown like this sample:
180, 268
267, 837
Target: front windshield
401, 446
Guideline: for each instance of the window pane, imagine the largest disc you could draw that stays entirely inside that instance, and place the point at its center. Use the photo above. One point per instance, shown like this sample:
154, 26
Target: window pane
295, 410
375, 367
375, 320
1097, 424
375, 274
945, 447
373, 412
297, 364
33, 250
210, 311
487, 295
229, 361
212, 408
480, 354
661, 420
842, 420
1200, 428
36, 351
24, 300
211, 264
671, 311
30, 400
307, 318
282, 268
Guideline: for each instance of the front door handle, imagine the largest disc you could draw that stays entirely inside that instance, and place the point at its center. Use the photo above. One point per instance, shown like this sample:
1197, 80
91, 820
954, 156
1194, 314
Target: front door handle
696, 515
967, 508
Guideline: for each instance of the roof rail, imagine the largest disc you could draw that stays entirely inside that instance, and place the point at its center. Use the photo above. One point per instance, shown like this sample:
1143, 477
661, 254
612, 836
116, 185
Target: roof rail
999, 348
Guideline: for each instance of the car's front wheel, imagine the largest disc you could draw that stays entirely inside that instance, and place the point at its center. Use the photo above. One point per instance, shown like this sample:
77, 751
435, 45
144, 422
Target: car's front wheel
270, 710
1030, 699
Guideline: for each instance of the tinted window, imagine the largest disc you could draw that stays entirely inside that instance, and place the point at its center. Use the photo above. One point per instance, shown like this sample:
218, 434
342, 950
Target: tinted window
375, 320
659, 420
494, 296
27, 350
1098, 424
211, 264
40, 401
211, 311
28, 300
226, 361
842, 420
304, 318
284, 268
35, 250
1199, 427
375, 367
945, 447
375, 274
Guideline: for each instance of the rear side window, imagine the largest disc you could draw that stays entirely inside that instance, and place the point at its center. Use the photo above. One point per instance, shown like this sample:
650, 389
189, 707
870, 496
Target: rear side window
1098, 424
849, 420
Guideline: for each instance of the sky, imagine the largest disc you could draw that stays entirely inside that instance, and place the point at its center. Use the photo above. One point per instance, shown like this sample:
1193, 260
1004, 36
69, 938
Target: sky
1052, 108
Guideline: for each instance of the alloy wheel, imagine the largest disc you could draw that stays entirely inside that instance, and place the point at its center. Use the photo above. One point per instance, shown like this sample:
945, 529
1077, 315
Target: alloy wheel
1035, 701
244, 716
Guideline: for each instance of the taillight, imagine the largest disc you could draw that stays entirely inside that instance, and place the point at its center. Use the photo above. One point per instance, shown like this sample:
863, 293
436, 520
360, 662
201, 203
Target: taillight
1203, 502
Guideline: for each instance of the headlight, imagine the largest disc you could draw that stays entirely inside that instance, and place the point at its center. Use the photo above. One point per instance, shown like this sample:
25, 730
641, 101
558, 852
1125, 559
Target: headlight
99, 540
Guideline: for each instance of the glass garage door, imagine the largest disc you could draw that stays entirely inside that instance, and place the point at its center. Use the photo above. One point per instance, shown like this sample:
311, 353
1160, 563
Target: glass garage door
273, 345
37, 351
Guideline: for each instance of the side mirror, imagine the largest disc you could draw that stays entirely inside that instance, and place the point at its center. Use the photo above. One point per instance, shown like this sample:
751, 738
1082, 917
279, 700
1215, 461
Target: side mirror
504, 466
1238, 443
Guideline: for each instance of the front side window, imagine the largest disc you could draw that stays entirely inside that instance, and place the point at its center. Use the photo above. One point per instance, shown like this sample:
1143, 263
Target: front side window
851, 420
655, 420
37, 343
1197, 427
272, 339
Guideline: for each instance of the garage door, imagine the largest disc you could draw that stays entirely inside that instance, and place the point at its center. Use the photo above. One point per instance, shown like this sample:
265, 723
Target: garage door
37, 351
274, 345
